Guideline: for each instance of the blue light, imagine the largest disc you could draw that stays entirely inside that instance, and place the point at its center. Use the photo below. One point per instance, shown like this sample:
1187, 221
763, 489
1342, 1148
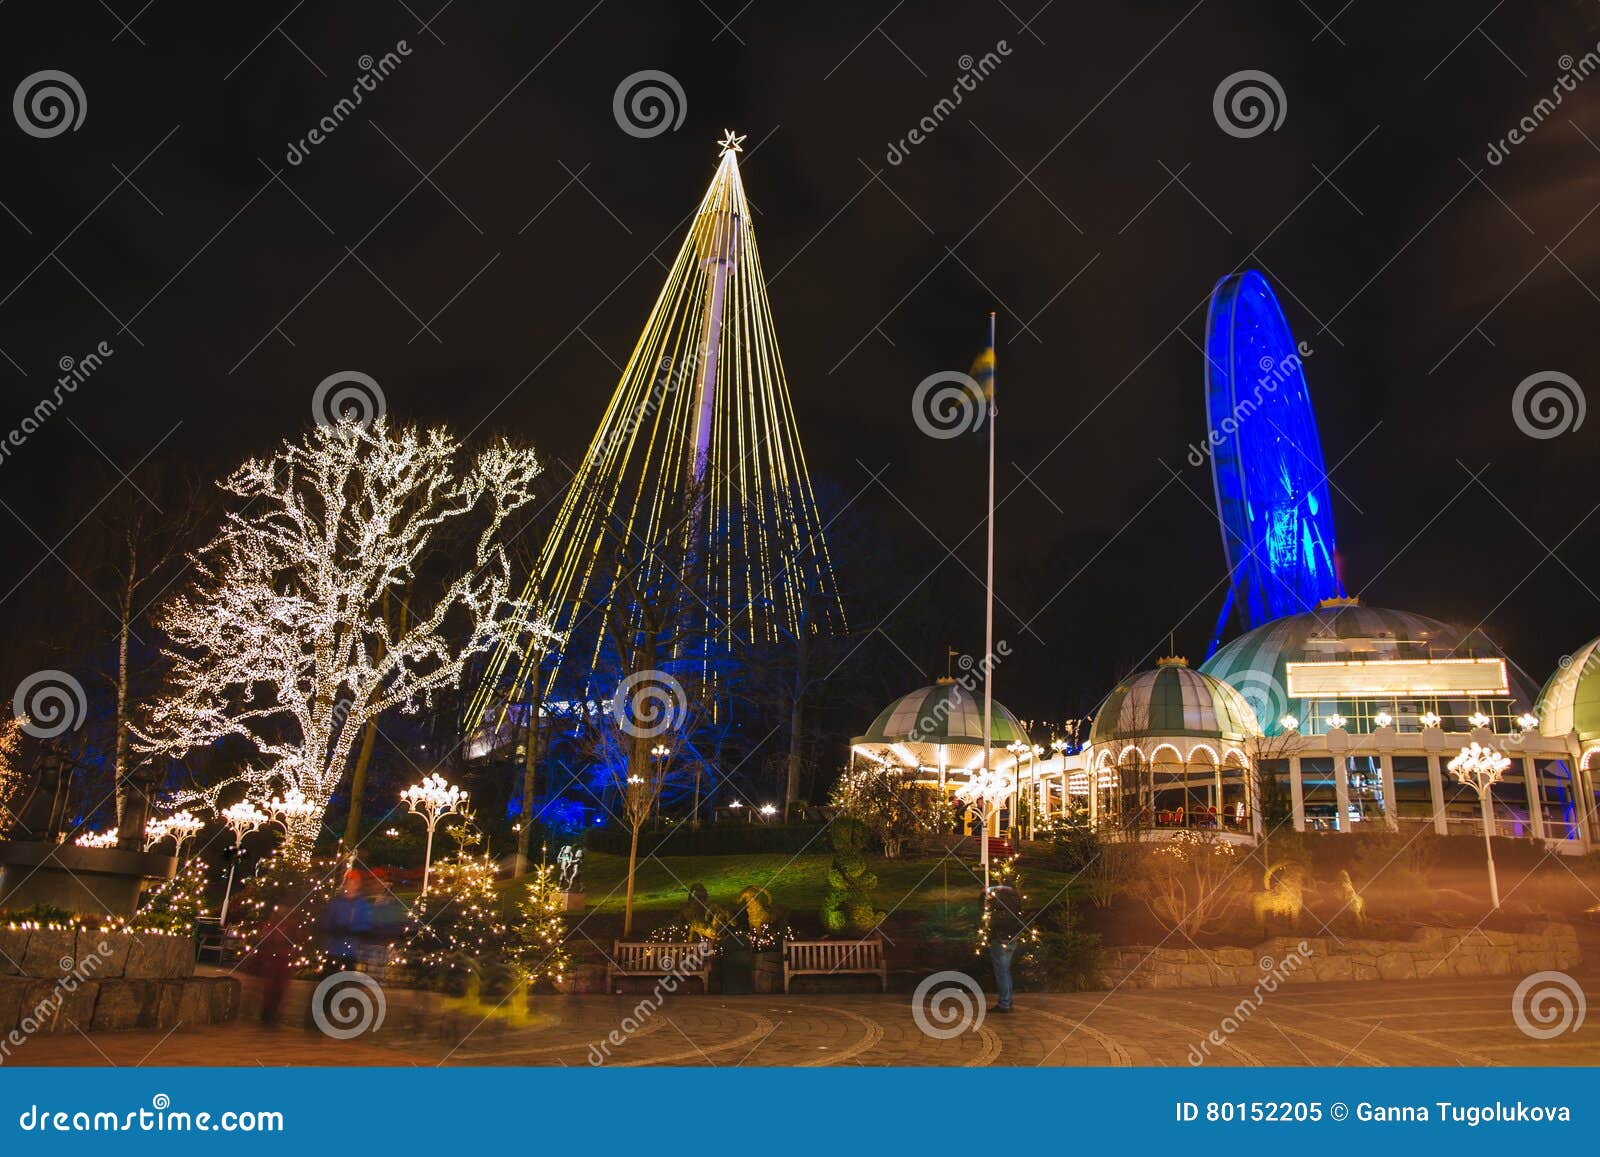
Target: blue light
1266, 465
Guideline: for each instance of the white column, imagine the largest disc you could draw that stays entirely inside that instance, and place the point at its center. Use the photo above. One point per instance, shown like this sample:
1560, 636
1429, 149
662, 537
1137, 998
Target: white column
1530, 788
1341, 792
1391, 818
1252, 799
1297, 794
1436, 796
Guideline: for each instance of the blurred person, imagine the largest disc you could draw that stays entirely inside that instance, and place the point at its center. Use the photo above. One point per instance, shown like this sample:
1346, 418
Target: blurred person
1006, 927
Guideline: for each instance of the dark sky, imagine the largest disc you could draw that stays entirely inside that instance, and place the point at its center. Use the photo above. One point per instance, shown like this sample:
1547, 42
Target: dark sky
1084, 190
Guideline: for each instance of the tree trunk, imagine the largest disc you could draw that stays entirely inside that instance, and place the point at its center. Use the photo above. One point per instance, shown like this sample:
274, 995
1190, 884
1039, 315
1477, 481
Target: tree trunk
358, 787
530, 772
633, 861
358, 774
120, 744
791, 795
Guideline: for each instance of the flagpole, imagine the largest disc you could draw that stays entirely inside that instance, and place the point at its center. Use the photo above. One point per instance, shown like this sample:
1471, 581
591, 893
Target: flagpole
988, 610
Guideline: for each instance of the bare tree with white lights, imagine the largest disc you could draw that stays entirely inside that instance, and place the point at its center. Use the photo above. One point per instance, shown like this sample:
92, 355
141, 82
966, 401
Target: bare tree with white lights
282, 640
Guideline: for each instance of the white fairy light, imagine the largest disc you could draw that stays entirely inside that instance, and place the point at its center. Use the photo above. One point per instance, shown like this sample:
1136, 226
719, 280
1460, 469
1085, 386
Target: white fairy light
1336, 720
1429, 719
1383, 719
105, 839
1478, 719
285, 639
1527, 721
1289, 723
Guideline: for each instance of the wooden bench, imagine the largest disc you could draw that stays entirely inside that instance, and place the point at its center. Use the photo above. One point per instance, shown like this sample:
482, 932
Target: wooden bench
833, 957
650, 958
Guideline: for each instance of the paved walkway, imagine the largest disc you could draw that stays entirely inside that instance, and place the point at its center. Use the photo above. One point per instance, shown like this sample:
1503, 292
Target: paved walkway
1454, 1022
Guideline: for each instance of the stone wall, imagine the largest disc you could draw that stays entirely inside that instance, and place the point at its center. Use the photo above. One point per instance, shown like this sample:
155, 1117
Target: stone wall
1430, 952
58, 979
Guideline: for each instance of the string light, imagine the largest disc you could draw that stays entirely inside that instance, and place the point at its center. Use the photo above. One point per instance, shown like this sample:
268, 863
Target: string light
320, 533
702, 414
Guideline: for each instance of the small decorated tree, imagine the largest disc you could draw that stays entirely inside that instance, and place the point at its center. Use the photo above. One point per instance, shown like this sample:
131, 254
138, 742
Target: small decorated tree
456, 938
173, 905
10, 771
538, 937
848, 905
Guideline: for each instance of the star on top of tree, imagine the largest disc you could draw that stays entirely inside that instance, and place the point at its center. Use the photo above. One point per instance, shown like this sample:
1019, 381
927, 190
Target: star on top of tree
731, 143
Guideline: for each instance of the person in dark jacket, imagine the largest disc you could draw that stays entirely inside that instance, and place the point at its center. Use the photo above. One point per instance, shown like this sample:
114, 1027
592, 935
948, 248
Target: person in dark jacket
1006, 927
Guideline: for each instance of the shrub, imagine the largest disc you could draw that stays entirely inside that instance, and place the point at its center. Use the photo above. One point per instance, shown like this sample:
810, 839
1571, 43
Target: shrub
847, 907
1069, 957
1113, 868
1190, 882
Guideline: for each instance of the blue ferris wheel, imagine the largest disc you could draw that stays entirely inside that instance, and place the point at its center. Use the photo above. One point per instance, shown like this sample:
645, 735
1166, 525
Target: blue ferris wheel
1266, 459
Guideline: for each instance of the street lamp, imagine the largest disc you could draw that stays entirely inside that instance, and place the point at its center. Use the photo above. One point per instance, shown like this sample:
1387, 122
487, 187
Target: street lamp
182, 826
242, 818
980, 791
154, 832
1059, 746
432, 799
1017, 749
1481, 768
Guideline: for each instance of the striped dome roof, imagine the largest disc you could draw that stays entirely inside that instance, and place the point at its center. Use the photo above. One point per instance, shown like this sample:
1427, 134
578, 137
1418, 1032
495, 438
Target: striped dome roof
946, 712
1256, 663
1174, 700
1570, 698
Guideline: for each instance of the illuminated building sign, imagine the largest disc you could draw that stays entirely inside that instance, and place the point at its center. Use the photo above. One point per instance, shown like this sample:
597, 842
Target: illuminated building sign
1401, 678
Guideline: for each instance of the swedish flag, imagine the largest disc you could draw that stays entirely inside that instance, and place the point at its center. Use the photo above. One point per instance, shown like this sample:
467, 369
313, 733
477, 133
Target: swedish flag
982, 371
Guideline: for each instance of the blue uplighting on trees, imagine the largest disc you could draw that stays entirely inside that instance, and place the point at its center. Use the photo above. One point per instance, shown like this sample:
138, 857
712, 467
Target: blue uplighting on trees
1266, 459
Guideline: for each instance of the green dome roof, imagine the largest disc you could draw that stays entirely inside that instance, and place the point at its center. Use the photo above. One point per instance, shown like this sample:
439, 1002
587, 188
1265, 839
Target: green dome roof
1570, 698
1174, 700
1256, 662
946, 712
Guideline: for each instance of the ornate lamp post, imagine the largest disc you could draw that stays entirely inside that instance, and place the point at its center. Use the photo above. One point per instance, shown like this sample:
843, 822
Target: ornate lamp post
432, 799
242, 818
1481, 768
979, 792
181, 826
1018, 749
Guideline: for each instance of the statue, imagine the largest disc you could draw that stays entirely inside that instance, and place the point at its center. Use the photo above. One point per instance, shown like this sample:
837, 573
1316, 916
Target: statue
568, 862
1284, 895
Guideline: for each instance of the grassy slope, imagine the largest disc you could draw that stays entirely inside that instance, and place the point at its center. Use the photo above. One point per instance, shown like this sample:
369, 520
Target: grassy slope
907, 888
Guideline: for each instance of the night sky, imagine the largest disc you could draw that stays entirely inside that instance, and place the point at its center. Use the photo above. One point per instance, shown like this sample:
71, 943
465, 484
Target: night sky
484, 240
